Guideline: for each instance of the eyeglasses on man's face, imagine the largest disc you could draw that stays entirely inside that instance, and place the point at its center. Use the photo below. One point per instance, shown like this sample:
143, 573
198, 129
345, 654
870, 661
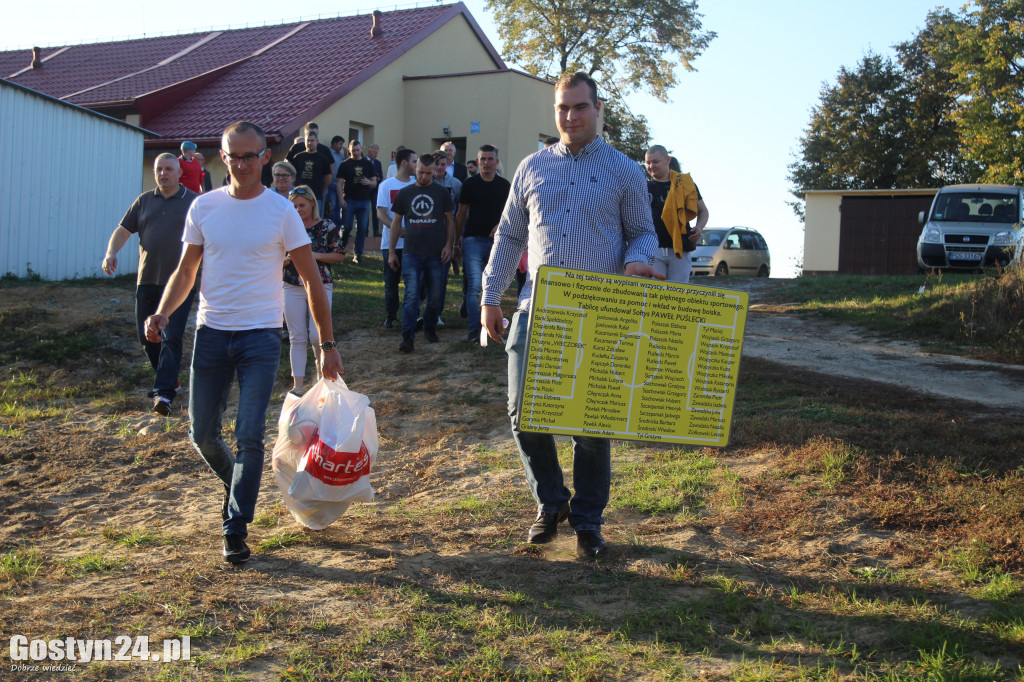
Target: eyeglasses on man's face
283, 175
241, 159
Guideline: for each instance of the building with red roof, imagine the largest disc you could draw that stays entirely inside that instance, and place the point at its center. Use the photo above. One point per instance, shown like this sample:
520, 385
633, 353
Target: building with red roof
413, 77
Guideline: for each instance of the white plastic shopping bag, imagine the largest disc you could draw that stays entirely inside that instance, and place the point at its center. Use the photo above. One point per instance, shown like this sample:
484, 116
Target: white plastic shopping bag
326, 444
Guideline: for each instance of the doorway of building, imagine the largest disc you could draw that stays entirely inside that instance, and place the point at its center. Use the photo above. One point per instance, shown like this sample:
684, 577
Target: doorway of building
460, 146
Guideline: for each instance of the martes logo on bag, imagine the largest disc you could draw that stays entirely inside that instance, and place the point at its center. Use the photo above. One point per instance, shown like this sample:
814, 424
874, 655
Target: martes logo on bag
337, 468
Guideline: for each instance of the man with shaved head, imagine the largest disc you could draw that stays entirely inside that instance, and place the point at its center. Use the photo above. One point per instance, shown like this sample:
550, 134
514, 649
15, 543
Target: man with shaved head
240, 234
158, 217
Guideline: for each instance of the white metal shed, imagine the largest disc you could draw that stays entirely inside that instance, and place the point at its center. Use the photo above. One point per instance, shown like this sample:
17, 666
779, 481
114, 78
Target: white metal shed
68, 176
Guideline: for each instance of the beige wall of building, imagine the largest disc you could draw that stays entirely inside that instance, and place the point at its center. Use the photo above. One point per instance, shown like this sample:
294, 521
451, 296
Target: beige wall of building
821, 231
515, 112
823, 223
380, 104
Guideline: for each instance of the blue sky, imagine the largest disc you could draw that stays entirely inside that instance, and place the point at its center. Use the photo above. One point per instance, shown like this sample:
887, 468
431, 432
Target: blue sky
734, 123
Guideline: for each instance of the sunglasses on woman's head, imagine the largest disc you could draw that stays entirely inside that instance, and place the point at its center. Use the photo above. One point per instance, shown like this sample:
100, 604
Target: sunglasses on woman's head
298, 190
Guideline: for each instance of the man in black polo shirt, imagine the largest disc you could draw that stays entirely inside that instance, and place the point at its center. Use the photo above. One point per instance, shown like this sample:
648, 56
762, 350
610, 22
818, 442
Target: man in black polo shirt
158, 217
480, 205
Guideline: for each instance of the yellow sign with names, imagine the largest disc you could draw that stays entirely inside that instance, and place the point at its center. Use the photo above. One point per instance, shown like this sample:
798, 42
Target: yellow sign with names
631, 358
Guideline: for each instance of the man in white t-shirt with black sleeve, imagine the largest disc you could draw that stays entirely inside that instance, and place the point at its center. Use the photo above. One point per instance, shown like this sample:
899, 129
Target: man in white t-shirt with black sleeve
241, 234
386, 194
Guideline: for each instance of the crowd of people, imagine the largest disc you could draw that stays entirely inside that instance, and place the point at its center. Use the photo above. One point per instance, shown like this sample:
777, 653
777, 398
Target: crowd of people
269, 238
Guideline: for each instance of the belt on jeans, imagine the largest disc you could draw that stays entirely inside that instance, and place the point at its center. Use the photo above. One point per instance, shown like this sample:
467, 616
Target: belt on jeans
240, 331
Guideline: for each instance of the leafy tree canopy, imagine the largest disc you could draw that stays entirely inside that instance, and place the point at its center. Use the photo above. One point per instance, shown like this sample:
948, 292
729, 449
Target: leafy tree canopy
984, 50
858, 137
625, 45
951, 109
626, 131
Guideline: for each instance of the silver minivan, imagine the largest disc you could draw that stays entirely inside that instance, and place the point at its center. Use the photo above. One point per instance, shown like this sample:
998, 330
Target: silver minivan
724, 251
970, 227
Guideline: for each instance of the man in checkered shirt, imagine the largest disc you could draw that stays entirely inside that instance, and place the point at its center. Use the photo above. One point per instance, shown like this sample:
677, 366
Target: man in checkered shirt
583, 205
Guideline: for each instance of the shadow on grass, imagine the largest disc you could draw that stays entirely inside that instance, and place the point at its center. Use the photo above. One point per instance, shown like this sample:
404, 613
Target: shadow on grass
685, 612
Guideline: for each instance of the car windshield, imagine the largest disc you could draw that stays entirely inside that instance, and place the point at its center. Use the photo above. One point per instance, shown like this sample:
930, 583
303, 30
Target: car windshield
711, 237
976, 207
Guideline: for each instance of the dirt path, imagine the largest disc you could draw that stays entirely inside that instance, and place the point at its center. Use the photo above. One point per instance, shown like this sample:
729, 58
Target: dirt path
777, 334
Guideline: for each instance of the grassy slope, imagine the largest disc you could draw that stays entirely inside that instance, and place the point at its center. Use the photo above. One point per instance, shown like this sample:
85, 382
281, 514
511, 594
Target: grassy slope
981, 315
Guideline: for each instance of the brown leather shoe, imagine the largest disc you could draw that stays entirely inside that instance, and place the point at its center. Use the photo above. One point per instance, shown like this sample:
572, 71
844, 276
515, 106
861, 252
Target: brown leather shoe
545, 528
590, 544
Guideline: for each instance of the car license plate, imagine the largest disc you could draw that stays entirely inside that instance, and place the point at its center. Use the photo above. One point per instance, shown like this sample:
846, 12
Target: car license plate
964, 255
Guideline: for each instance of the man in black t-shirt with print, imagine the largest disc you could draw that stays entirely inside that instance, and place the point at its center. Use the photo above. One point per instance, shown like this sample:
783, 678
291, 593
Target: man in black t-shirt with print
357, 185
481, 203
311, 168
300, 147
423, 216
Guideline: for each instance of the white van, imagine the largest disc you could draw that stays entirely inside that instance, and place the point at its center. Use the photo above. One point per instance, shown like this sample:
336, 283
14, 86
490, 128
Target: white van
970, 227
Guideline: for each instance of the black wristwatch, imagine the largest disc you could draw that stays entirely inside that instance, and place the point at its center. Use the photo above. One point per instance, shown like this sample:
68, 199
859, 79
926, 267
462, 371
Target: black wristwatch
328, 346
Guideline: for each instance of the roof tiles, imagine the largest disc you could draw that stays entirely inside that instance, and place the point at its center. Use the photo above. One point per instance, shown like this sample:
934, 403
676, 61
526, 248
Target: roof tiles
271, 75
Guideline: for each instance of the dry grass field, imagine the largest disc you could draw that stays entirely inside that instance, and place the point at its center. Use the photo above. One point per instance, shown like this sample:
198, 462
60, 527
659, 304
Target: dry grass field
850, 530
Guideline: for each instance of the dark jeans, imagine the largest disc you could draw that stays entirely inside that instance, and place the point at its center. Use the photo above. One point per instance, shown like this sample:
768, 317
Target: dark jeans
359, 213
444, 287
165, 357
432, 272
331, 197
217, 357
475, 253
591, 457
374, 220
391, 280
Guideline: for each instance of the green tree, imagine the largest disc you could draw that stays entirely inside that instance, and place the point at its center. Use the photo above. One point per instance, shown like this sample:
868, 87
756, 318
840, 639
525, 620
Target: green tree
955, 109
858, 136
625, 45
933, 92
887, 124
626, 131
984, 50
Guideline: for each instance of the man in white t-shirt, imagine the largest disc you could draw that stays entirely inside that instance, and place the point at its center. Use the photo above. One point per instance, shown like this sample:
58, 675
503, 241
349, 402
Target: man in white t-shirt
405, 162
241, 234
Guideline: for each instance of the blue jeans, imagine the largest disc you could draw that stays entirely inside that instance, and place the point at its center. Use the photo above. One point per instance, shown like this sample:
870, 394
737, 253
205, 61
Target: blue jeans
391, 280
592, 461
165, 357
331, 197
374, 220
444, 287
359, 211
475, 252
218, 355
432, 271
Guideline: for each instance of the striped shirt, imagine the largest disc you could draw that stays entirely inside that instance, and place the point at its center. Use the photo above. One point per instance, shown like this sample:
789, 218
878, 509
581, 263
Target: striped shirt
588, 212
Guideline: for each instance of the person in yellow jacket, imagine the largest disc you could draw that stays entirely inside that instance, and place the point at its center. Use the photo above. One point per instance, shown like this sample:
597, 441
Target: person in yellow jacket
675, 201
